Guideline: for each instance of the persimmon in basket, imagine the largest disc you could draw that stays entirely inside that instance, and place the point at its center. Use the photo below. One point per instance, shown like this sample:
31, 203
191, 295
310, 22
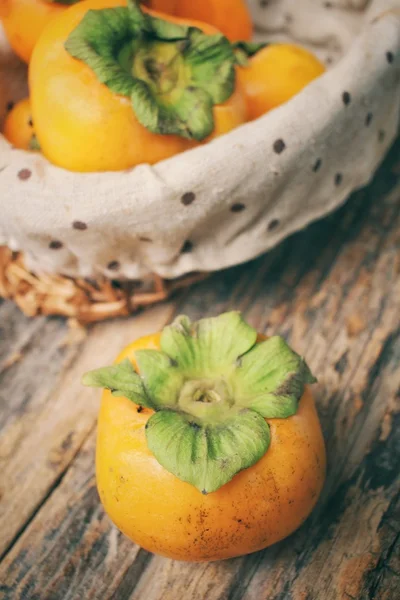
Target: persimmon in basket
113, 86
271, 74
231, 17
209, 445
18, 126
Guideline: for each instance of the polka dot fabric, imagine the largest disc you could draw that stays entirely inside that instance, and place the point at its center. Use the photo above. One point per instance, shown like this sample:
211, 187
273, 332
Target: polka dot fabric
231, 200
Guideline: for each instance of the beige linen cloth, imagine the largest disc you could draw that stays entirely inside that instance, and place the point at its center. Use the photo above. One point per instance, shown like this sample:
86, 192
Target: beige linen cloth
235, 198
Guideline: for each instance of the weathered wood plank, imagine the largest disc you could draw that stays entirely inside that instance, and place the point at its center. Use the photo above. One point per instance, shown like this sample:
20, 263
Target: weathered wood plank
42, 350
48, 414
334, 292
15, 331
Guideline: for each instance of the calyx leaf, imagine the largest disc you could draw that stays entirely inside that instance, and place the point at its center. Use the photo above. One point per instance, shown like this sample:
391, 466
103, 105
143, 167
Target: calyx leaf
209, 456
122, 380
65, 2
34, 143
173, 74
270, 379
160, 376
211, 386
245, 50
202, 348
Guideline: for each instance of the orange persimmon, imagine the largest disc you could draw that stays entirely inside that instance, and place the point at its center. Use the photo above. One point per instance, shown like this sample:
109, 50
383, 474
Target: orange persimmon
211, 448
231, 17
18, 126
159, 103
274, 74
24, 20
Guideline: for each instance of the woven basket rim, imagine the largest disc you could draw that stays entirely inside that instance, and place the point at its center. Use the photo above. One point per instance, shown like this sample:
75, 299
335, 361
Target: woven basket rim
85, 300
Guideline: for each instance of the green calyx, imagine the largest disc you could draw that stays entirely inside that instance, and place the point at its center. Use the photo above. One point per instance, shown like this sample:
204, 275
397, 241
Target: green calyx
34, 144
245, 50
173, 74
211, 386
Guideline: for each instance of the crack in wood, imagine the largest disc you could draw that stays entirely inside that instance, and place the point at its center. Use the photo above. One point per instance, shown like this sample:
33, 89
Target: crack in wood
55, 484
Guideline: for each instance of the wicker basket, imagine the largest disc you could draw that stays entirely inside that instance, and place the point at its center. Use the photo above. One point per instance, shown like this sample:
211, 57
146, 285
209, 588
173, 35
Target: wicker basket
96, 245
84, 300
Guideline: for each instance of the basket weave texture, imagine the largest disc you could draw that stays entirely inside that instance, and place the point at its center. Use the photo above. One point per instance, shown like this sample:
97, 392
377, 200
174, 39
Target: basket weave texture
81, 299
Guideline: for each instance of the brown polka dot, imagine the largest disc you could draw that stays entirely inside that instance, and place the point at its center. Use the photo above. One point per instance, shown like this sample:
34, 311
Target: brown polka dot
317, 165
273, 224
9, 106
288, 19
263, 3
329, 60
279, 146
113, 265
338, 178
80, 225
328, 4
381, 135
368, 119
346, 98
30, 123
55, 245
187, 247
145, 239
238, 207
389, 57
24, 174
188, 198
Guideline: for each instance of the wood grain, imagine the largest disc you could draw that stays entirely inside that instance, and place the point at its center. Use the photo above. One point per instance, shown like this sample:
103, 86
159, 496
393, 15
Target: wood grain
47, 414
334, 292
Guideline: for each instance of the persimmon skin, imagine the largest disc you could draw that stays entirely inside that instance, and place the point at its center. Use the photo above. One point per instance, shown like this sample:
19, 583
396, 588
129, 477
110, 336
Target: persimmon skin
164, 6
258, 507
18, 125
24, 21
231, 17
81, 125
275, 74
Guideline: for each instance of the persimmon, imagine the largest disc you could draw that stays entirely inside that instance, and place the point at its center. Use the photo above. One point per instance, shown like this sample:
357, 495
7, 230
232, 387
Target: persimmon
24, 20
274, 73
113, 86
18, 126
209, 445
231, 17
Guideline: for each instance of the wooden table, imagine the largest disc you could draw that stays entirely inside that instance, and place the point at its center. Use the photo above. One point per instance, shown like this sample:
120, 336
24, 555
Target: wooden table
333, 290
